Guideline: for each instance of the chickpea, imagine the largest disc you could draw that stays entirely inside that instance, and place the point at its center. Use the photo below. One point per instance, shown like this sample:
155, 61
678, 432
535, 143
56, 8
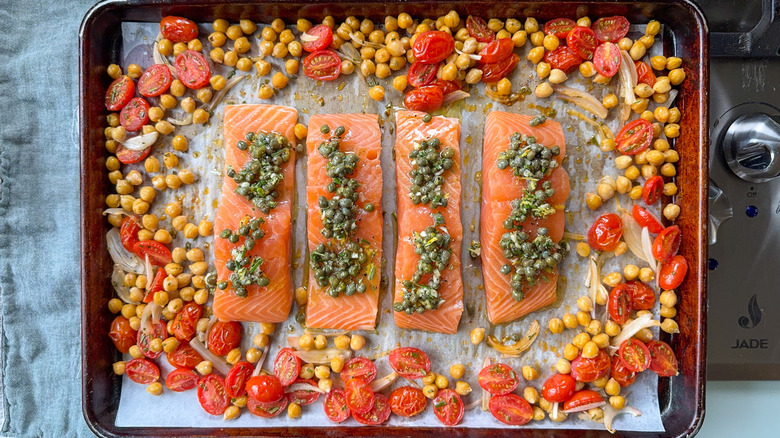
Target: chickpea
563, 366
291, 66
585, 304
306, 342
669, 325
580, 340
382, 71
204, 367
430, 391
337, 364
535, 55
593, 201
529, 373
404, 20
261, 340
357, 342
587, 69
134, 71
322, 372
672, 130
569, 320
557, 76
673, 62
462, 388
400, 83
441, 381
429, 378
217, 82
295, 48
570, 352
583, 249
555, 325
590, 351
531, 25
457, 371
265, 47
550, 42
623, 184
307, 371
609, 101
476, 336
341, 342
605, 191
474, 76
347, 67
200, 116
583, 318
625, 44
329, 21
543, 90
244, 64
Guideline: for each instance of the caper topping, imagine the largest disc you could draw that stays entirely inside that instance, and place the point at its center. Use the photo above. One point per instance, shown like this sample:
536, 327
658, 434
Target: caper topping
532, 204
427, 118
527, 158
324, 129
538, 120
369, 207
262, 174
428, 167
244, 269
338, 213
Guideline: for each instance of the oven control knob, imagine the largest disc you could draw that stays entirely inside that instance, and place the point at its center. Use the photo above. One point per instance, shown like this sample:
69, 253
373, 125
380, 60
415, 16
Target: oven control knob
751, 147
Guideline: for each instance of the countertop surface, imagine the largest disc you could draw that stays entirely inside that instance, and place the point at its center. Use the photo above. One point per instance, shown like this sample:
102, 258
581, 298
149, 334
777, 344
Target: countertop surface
39, 208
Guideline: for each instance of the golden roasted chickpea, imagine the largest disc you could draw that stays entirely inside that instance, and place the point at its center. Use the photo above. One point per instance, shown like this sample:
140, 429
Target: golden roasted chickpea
531, 25
234, 32
377, 92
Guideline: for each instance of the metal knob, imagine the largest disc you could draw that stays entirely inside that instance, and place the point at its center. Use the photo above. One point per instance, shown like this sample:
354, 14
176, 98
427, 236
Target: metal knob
751, 147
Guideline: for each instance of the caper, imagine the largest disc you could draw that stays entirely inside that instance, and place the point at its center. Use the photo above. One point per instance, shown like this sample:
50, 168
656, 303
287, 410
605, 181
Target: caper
369, 207
324, 129
427, 118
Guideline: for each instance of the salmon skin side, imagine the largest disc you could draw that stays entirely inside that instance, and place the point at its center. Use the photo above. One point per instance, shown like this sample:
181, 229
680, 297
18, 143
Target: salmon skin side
362, 137
499, 189
411, 129
271, 303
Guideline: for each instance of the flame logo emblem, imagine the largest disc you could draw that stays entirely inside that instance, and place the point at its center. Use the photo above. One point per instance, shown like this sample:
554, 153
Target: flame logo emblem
754, 315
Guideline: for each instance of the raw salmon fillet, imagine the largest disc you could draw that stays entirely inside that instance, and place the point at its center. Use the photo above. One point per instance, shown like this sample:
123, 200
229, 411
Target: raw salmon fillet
273, 302
411, 129
362, 137
499, 188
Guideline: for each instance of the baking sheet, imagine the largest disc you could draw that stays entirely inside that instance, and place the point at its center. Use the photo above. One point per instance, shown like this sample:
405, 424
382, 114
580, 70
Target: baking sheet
584, 162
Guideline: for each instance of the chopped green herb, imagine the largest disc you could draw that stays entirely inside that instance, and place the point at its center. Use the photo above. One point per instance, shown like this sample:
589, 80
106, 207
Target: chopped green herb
244, 269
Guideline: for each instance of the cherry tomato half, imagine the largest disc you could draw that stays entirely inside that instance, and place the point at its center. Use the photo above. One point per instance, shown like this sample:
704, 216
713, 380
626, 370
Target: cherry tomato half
224, 336
582, 397
155, 81
563, 58
646, 219
672, 274
653, 189
620, 303
212, 395
147, 333
604, 234
122, 334
560, 27
433, 46
128, 232
635, 137
323, 65
610, 29
129, 156
184, 356
667, 243
497, 50
644, 73
634, 355
304, 396
335, 406
135, 114
185, 323
407, 401
156, 286
181, 379
642, 297
378, 414
479, 30
448, 87
498, 379
287, 366
621, 374
159, 254
421, 74
266, 410
498, 70
448, 407
119, 93
236, 378
511, 409
359, 368
558, 388
192, 69
142, 371
409, 362
589, 370
359, 396
426, 99
662, 359
607, 59
317, 38
178, 29
583, 41
264, 388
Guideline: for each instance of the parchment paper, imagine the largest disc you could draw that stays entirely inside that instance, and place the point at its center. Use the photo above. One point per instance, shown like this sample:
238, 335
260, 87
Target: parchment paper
584, 162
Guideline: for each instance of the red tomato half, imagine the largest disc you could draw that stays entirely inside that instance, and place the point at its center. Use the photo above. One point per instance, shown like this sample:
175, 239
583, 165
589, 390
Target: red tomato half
433, 46
646, 219
287, 366
642, 297
605, 233
122, 334
479, 30
135, 114
155, 81
304, 396
378, 414
181, 379
653, 189
184, 356
610, 29
662, 359
582, 398
667, 243
511, 409
498, 379
635, 137
323, 65
607, 59
119, 93
448, 407
589, 370
497, 50
448, 87
359, 368
142, 371
583, 41
407, 401
359, 396
185, 323
672, 274
563, 58
149, 332
159, 254
560, 27
558, 388
178, 29
192, 69
335, 406
224, 336
426, 99
499, 70
421, 74
410, 363
644, 73
634, 355
129, 156
264, 388
621, 374
620, 303
128, 232
266, 410
157, 285
317, 38
236, 378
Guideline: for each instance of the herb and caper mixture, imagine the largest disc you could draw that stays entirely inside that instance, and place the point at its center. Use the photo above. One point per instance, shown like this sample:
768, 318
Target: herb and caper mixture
527, 158
428, 166
263, 173
245, 269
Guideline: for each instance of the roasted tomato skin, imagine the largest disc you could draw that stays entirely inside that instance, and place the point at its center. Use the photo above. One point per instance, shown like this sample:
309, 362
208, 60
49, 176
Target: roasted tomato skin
427, 99
433, 46
604, 234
